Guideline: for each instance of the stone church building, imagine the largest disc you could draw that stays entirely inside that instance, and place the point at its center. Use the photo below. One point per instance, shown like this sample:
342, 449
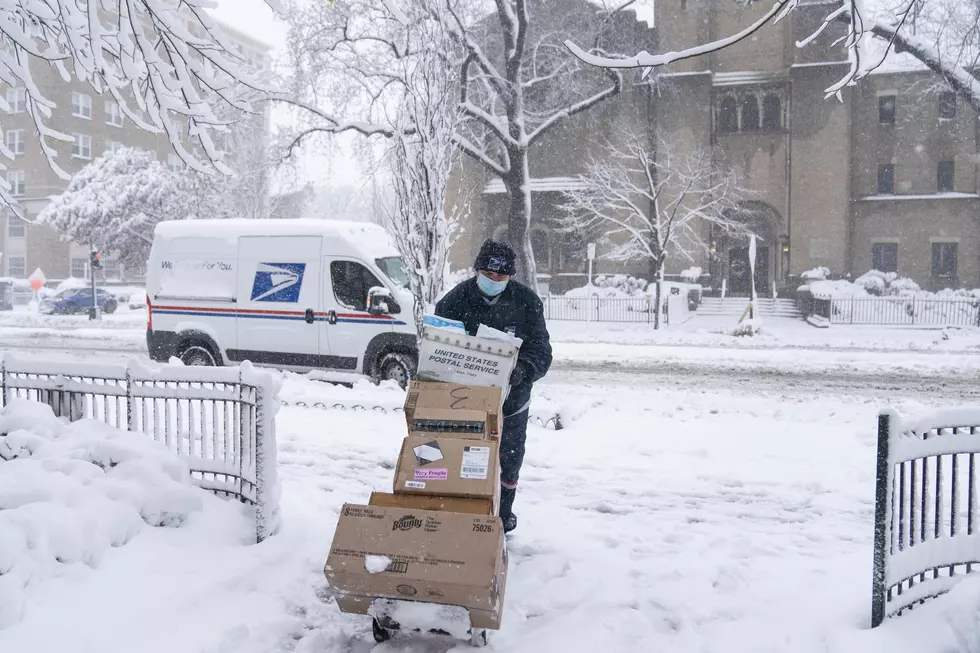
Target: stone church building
884, 178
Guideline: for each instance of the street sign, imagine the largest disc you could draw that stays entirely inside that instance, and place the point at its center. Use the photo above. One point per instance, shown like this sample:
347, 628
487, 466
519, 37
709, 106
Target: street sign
37, 279
591, 251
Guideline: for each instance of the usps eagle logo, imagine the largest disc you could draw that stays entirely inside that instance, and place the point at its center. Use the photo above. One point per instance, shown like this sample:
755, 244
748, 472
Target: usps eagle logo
278, 282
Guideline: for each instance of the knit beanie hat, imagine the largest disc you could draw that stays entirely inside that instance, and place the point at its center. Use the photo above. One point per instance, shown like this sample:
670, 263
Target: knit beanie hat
496, 256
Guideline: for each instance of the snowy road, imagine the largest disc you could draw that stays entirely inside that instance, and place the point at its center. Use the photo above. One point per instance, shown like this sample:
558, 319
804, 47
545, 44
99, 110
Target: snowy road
689, 509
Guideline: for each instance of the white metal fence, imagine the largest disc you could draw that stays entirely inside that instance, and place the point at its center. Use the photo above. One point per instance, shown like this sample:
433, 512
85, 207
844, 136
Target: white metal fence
220, 421
899, 310
927, 513
674, 301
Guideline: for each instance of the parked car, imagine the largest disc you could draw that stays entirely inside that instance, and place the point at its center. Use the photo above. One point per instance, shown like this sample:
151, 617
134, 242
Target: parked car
137, 300
77, 300
293, 294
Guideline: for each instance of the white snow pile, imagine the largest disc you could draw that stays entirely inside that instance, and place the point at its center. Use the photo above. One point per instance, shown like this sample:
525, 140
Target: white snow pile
70, 491
622, 286
876, 284
749, 327
691, 275
375, 564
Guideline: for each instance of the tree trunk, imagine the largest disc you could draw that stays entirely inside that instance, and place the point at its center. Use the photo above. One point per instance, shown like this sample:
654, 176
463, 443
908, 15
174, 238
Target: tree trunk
517, 182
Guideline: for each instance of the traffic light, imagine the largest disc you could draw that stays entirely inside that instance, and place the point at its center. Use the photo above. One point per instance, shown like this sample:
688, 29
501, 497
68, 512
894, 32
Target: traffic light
94, 261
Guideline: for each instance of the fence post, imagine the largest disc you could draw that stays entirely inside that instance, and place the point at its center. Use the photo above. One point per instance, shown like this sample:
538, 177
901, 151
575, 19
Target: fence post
3, 381
260, 475
878, 591
913, 310
129, 398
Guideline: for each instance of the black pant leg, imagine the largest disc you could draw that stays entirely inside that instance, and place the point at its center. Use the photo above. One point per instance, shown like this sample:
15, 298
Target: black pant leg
512, 441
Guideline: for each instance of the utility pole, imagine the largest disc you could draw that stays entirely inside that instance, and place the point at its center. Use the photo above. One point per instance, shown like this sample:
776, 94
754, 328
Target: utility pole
95, 263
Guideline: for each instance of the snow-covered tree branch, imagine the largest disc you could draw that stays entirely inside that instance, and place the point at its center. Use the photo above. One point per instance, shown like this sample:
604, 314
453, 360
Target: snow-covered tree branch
115, 202
941, 34
167, 64
422, 156
648, 204
515, 84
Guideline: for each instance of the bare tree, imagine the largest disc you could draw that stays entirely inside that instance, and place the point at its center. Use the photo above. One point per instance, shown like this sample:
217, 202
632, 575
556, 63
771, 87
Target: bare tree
423, 153
944, 35
649, 205
165, 77
516, 83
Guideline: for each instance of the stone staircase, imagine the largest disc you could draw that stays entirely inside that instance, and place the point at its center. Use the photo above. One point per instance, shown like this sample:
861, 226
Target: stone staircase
735, 306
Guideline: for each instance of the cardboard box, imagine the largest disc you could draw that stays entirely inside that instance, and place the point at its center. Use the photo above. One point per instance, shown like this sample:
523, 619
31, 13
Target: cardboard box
448, 467
455, 396
465, 424
452, 357
419, 555
440, 504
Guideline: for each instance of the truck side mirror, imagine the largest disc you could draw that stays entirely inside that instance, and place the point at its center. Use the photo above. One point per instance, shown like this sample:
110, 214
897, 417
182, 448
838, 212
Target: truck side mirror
379, 301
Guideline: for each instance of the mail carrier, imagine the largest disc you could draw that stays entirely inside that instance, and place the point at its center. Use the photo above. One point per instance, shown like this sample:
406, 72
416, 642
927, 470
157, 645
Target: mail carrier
292, 294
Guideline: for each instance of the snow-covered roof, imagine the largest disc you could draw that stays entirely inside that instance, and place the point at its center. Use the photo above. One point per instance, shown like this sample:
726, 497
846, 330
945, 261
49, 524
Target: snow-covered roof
539, 185
932, 196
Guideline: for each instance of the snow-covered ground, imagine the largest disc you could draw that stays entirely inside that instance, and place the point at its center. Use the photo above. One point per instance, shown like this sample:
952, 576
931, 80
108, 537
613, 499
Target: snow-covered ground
686, 517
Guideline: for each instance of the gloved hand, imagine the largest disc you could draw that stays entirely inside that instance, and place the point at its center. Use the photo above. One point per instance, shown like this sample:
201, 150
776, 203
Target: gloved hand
519, 374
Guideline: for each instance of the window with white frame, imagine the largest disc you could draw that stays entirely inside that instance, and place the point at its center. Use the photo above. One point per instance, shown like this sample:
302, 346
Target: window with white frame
174, 163
113, 114
18, 182
81, 105
17, 267
15, 141
79, 268
16, 228
111, 147
81, 148
16, 98
111, 269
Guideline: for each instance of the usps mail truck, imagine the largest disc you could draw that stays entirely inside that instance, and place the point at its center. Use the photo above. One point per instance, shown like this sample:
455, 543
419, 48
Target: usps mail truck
291, 294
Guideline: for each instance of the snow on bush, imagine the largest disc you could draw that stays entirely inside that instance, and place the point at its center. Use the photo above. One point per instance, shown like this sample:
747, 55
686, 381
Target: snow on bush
816, 274
887, 284
70, 491
628, 285
749, 327
876, 284
691, 275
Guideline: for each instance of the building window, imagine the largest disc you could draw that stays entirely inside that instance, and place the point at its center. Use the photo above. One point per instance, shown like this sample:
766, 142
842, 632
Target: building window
111, 147
111, 269
113, 114
945, 174
79, 268
16, 98
944, 260
886, 179
16, 228
15, 141
772, 113
728, 116
82, 147
81, 105
750, 114
884, 257
886, 110
18, 182
17, 267
947, 105
174, 163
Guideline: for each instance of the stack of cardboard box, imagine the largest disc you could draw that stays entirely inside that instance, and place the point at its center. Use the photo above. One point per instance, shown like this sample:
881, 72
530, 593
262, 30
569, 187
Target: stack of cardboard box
437, 538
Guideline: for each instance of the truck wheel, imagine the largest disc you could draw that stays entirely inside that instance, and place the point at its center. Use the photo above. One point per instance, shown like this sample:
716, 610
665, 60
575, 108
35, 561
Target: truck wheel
396, 367
197, 355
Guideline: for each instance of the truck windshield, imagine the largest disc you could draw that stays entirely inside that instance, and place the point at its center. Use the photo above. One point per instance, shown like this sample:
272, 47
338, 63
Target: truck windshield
394, 269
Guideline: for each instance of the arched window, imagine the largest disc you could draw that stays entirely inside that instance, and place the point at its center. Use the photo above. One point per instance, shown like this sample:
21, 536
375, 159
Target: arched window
728, 116
772, 113
750, 114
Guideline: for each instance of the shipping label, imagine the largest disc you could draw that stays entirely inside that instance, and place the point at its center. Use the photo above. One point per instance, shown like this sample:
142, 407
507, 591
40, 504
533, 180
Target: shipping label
415, 485
476, 463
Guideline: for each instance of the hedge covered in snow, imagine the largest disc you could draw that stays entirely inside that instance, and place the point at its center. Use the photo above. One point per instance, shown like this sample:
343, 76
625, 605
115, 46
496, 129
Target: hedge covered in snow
874, 284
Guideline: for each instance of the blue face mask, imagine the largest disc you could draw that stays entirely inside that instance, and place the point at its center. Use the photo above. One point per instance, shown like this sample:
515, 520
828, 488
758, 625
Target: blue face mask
488, 286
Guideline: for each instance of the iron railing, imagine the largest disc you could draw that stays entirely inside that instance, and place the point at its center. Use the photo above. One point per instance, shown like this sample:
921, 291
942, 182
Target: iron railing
898, 311
926, 510
600, 309
220, 421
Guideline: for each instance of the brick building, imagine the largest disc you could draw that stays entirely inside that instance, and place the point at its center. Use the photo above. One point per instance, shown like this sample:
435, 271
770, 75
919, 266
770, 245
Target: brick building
97, 126
886, 178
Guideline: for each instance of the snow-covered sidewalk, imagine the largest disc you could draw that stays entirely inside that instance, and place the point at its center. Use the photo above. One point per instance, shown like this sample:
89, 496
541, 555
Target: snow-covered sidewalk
657, 520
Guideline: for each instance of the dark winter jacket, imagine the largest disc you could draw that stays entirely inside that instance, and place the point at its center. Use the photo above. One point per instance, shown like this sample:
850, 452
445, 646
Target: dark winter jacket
517, 310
